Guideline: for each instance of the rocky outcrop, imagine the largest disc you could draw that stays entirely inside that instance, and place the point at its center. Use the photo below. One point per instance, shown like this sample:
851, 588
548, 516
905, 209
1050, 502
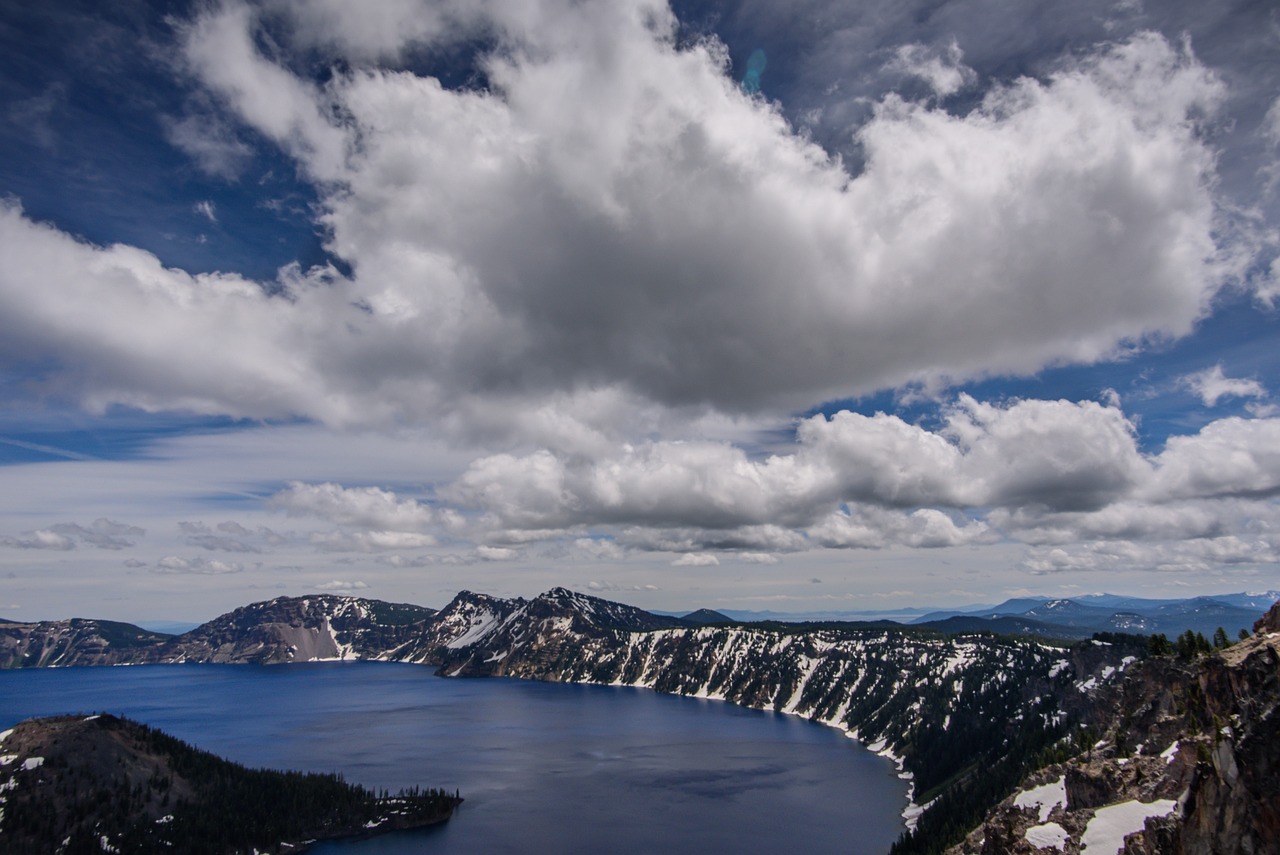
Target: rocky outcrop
1234, 801
1182, 758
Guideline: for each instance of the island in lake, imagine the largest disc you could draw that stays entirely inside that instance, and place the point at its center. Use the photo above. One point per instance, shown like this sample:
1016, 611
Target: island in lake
99, 783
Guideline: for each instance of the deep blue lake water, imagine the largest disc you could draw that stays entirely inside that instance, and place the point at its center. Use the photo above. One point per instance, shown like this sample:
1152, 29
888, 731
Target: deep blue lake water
544, 768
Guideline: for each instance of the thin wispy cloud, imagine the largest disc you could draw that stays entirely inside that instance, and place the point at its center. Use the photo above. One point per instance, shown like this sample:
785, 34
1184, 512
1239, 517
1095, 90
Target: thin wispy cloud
206, 209
46, 449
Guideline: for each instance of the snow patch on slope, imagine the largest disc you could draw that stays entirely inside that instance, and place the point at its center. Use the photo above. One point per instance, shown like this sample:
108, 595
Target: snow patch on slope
1050, 835
1105, 833
1045, 797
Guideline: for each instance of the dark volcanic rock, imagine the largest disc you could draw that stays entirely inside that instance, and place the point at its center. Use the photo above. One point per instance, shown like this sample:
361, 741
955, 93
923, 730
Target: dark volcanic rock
1196, 739
1269, 622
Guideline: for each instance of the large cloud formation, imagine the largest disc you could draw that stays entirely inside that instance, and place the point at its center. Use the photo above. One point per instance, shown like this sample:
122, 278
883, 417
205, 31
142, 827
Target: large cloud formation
1031, 467
606, 258
612, 212
1066, 479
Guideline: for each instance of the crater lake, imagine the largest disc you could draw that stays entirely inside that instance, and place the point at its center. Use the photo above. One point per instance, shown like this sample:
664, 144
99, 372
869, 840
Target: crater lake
544, 767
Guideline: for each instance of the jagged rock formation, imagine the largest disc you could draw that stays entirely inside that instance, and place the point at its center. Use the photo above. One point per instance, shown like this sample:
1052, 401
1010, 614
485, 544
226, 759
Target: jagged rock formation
476, 632
1186, 761
75, 784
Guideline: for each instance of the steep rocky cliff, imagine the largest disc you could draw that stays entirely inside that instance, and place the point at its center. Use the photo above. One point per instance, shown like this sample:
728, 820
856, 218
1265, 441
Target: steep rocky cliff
1183, 758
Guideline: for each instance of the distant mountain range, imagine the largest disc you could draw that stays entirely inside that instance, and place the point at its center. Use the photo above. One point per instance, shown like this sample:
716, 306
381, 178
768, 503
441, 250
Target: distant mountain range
1056, 617
902, 615
1082, 616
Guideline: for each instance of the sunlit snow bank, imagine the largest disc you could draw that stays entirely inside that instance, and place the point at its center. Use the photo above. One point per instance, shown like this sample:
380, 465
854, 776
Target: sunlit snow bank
1050, 836
1105, 833
1046, 797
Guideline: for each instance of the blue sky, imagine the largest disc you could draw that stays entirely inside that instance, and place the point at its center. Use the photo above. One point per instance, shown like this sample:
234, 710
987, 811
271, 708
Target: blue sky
948, 303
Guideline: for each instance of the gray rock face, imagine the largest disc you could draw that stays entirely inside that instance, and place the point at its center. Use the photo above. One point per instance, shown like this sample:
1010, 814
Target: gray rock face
303, 629
1196, 742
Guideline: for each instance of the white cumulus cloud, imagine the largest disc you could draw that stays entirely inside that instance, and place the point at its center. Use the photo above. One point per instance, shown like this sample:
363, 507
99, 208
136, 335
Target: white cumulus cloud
364, 507
527, 242
175, 565
696, 559
1211, 385
341, 585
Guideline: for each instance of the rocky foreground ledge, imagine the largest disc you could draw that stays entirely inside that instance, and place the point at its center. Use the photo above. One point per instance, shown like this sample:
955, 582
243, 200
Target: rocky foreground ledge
78, 784
1184, 758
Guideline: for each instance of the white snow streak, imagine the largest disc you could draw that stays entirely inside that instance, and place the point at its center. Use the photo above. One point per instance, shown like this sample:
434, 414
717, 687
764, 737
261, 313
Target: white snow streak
480, 625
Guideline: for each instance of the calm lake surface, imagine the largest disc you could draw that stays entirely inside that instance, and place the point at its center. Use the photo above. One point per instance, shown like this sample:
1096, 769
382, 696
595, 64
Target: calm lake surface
544, 767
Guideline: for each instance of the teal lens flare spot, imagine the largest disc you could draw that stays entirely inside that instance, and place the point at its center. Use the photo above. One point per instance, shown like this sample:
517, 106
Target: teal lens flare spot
755, 68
